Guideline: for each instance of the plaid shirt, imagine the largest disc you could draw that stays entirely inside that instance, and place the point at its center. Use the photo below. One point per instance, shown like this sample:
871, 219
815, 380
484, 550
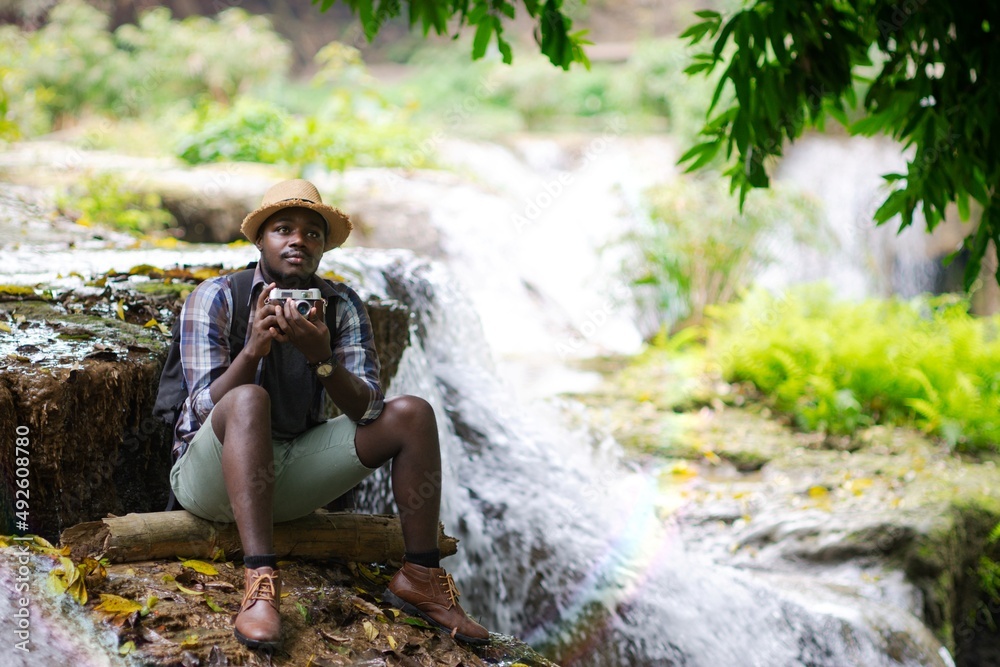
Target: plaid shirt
205, 325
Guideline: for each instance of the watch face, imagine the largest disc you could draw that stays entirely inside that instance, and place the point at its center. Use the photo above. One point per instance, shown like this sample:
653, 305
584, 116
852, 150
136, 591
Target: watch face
323, 370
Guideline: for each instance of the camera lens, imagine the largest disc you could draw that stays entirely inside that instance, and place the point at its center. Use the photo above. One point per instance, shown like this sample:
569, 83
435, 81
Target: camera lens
303, 307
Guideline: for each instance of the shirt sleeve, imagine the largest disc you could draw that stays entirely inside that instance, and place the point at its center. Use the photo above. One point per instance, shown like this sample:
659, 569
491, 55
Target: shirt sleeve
355, 350
204, 343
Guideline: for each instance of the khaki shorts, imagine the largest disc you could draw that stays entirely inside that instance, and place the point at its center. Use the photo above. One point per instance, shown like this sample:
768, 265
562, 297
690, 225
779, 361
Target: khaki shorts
310, 471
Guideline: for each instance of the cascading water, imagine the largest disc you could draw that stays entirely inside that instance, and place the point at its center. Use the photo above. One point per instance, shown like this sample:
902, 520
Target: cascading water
560, 543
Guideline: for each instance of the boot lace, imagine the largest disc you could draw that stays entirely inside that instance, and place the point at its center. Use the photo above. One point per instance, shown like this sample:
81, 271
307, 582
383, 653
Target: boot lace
450, 588
261, 588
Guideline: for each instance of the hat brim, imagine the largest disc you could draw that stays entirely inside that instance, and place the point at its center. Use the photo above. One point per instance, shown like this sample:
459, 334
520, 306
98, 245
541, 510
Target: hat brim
338, 225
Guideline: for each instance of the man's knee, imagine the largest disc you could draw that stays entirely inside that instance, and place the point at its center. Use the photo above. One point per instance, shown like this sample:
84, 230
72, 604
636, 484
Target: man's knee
244, 406
411, 411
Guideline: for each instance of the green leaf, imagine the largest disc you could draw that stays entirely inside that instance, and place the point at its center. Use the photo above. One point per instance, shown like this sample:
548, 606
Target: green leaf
697, 67
976, 246
706, 157
696, 32
213, 606
698, 149
415, 622
483, 32
892, 206
869, 125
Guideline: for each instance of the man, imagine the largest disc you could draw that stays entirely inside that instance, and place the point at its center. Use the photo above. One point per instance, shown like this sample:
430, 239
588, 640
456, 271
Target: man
253, 446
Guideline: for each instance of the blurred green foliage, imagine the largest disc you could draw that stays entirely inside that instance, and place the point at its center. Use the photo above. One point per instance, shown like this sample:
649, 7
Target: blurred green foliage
837, 366
257, 131
200, 81
351, 125
105, 199
699, 249
74, 65
650, 88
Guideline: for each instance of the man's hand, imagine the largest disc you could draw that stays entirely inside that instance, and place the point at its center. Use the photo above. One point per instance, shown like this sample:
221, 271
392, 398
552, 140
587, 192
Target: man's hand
308, 333
266, 326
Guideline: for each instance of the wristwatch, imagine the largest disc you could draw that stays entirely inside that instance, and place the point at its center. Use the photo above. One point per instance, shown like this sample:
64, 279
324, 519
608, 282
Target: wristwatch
324, 368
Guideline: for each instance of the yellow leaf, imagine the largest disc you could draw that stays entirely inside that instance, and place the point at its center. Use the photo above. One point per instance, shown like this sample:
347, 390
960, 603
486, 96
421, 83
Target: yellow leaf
817, 491
219, 554
211, 605
167, 242
188, 591
392, 641
858, 486
78, 589
93, 567
42, 542
370, 631
120, 309
366, 607
205, 274
151, 323
151, 601
5, 327
200, 566
116, 605
167, 578
682, 469
69, 570
712, 457
190, 641
395, 612
163, 329
126, 648
143, 270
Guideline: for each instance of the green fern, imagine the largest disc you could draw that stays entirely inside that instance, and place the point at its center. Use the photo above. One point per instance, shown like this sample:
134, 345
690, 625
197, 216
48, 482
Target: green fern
838, 366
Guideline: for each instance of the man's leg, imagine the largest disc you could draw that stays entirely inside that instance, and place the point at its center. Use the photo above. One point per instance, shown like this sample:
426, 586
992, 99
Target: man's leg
406, 433
242, 422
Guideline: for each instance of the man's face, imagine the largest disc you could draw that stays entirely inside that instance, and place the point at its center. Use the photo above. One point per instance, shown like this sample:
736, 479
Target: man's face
291, 244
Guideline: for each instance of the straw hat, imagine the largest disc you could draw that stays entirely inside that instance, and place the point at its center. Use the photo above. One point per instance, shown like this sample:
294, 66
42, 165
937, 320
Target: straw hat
298, 192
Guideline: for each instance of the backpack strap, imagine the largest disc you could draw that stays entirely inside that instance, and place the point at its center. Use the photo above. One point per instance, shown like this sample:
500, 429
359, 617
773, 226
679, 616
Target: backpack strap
240, 284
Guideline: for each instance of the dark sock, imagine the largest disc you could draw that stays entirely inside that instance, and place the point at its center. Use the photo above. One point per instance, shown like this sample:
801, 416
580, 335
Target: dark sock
267, 560
424, 558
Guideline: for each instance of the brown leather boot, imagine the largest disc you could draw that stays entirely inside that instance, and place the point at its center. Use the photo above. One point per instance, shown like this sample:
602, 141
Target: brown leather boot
430, 593
258, 623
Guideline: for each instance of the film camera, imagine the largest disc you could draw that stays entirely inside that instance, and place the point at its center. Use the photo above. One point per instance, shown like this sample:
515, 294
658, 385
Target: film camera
302, 299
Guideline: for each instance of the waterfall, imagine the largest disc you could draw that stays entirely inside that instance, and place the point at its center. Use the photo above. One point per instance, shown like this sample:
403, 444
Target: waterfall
560, 543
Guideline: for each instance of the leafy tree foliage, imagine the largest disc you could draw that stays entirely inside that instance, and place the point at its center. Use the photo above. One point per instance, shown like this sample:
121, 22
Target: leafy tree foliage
552, 31
930, 69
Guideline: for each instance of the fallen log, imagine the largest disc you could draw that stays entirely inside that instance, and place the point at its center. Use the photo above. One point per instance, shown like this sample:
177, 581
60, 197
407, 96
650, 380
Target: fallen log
364, 538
